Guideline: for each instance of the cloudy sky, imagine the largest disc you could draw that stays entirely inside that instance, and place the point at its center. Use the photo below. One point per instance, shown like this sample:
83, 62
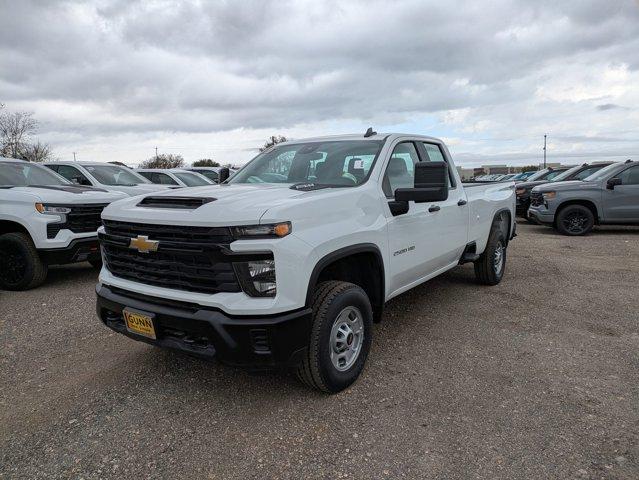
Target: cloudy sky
111, 80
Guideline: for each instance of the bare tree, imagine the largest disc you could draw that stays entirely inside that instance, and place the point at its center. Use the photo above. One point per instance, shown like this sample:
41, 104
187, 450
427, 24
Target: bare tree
15, 128
35, 152
164, 160
206, 162
273, 140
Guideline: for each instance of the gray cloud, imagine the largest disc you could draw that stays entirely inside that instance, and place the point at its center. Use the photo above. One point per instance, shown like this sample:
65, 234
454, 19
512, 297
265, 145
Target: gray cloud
112, 68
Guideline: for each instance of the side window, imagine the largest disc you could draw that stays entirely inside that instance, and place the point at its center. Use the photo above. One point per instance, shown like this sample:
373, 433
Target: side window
148, 176
400, 172
435, 154
163, 178
630, 176
73, 174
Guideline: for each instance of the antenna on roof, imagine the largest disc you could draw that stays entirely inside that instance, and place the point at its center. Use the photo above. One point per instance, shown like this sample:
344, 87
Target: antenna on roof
369, 132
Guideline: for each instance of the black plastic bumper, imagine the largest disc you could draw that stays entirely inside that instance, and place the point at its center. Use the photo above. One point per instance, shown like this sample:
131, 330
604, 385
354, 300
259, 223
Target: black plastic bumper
253, 342
78, 250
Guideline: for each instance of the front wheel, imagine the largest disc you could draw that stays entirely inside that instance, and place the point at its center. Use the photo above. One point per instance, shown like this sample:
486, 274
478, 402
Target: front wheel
20, 264
575, 220
340, 337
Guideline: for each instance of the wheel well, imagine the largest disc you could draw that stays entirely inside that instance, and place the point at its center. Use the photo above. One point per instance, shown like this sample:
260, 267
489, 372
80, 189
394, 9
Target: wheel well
585, 203
503, 218
7, 226
364, 268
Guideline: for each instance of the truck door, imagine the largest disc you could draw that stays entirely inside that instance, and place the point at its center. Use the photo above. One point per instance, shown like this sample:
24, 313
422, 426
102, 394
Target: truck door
452, 217
622, 203
418, 242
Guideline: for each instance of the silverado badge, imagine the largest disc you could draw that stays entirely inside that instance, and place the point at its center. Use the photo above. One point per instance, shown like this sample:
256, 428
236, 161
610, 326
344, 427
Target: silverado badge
143, 245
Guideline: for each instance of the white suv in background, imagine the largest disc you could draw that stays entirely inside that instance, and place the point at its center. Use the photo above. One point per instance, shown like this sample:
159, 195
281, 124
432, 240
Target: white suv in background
114, 178
45, 220
174, 177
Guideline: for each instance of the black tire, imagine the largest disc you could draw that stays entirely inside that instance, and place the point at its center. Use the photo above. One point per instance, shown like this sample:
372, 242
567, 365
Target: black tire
486, 270
317, 369
96, 263
575, 220
20, 265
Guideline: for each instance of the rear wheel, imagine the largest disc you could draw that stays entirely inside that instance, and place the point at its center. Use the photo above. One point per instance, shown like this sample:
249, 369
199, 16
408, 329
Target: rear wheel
20, 264
575, 220
340, 337
490, 267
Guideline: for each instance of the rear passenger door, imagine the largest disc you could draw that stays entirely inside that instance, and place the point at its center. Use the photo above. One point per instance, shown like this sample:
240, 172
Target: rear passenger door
622, 203
452, 216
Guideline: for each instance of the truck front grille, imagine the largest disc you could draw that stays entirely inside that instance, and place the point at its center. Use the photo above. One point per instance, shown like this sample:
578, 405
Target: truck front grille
81, 219
194, 259
536, 199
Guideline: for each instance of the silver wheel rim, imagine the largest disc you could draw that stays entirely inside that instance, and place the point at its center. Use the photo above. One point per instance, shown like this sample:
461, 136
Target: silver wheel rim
347, 337
498, 258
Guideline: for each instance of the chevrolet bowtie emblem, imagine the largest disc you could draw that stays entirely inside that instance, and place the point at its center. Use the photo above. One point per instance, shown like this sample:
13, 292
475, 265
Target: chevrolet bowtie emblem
143, 245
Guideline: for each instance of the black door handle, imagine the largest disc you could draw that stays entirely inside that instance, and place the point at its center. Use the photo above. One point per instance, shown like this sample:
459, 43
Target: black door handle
462, 202
434, 208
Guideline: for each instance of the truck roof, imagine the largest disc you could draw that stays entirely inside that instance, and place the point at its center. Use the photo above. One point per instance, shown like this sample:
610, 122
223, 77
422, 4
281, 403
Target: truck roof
359, 136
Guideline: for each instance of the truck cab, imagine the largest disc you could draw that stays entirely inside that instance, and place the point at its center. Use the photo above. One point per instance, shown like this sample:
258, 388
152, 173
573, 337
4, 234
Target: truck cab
289, 262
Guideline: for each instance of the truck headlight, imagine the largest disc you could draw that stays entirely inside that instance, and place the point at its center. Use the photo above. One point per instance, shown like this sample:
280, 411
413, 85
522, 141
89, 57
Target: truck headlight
52, 209
548, 195
269, 230
257, 277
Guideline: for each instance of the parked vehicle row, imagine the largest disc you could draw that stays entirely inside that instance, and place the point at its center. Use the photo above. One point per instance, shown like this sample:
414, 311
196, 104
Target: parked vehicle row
45, 220
290, 262
608, 196
174, 177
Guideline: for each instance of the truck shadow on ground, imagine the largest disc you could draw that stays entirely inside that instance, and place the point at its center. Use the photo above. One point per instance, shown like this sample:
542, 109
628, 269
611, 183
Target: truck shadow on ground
67, 275
598, 230
405, 317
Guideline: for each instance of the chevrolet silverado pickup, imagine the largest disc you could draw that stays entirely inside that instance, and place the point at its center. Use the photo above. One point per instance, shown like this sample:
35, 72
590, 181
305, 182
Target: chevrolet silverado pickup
45, 220
609, 196
290, 261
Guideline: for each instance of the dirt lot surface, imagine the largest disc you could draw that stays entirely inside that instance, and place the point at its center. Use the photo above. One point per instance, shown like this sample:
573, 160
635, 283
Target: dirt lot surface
535, 378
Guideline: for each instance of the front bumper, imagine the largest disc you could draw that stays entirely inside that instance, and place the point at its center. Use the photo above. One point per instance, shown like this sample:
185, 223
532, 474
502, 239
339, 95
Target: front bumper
522, 205
79, 250
256, 342
541, 215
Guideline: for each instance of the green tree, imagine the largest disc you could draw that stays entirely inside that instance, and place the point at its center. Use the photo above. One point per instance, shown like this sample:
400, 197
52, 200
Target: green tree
206, 162
273, 140
164, 160
528, 168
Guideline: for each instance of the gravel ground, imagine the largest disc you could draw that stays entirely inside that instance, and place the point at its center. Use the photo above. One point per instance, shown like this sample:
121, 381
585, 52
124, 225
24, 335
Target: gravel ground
535, 378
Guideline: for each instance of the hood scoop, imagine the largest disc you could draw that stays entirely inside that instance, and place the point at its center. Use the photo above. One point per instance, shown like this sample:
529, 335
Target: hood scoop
186, 203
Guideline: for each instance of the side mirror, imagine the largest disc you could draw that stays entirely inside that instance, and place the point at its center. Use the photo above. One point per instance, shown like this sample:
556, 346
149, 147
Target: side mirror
431, 184
224, 174
613, 182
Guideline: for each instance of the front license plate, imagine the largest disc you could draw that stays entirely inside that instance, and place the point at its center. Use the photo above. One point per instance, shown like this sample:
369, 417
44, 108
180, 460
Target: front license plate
139, 323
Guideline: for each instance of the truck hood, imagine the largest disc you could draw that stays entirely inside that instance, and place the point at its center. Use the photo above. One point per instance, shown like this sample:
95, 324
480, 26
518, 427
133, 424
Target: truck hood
139, 189
65, 194
236, 204
565, 186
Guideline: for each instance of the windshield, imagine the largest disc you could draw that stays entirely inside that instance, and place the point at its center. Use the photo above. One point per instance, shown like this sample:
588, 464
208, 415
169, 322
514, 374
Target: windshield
191, 180
566, 174
114, 175
19, 174
603, 173
336, 163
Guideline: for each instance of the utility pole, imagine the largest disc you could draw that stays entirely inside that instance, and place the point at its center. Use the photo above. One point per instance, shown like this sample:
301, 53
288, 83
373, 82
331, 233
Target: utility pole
545, 150
74, 156
156, 154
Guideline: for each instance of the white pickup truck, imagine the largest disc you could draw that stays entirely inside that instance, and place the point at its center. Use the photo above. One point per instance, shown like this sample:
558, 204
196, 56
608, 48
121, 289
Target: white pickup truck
291, 261
45, 220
